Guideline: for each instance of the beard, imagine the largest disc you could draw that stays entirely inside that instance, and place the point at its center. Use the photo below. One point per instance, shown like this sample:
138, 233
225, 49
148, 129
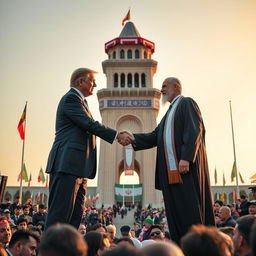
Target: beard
164, 99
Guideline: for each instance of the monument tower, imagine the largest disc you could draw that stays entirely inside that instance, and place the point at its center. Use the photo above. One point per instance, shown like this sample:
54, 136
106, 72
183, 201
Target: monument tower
128, 103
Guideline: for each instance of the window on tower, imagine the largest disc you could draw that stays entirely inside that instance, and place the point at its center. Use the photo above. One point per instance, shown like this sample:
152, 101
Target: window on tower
122, 54
115, 80
137, 54
136, 80
129, 54
143, 80
129, 80
145, 55
122, 80
114, 55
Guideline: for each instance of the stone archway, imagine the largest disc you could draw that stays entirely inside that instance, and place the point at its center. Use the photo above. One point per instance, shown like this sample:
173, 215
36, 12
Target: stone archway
136, 169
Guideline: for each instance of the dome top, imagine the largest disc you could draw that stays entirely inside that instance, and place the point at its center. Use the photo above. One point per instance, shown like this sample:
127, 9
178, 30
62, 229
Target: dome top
129, 30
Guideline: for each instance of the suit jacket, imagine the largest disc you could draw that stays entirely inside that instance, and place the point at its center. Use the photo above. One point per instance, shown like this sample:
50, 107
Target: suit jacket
74, 147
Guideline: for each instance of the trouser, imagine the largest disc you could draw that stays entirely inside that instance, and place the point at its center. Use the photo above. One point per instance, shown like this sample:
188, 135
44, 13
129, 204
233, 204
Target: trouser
66, 199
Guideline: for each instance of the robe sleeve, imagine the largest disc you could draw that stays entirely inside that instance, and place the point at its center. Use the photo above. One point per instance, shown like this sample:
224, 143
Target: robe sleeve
193, 130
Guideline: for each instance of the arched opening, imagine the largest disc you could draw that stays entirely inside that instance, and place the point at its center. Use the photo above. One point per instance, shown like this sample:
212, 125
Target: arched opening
129, 54
115, 80
145, 55
143, 80
137, 54
122, 54
122, 80
114, 55
136, 80
129, 80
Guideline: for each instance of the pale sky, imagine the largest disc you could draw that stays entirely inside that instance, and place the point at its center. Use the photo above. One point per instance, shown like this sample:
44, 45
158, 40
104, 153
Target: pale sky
209, 45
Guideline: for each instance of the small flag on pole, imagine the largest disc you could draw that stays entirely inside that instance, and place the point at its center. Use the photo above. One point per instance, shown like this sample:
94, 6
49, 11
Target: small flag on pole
46, 182
29, 180
24, 174
41, 176
215, 176
223, 197
234, 172
234, 195
21, 123
241, 178
127, 17
224, 180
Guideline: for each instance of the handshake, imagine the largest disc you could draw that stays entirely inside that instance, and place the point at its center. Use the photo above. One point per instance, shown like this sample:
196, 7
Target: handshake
125, 138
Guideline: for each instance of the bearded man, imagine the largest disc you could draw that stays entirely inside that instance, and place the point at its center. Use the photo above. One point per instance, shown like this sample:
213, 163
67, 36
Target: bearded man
181, 164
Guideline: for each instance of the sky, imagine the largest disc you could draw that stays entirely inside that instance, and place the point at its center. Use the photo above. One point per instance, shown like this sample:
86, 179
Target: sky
209, 45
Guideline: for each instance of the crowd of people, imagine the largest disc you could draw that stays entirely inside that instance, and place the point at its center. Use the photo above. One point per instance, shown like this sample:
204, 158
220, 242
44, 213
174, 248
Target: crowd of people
22, 232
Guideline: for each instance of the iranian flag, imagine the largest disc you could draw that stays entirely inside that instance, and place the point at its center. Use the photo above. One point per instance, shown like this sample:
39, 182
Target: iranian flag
21, 127
127, 17
41, 176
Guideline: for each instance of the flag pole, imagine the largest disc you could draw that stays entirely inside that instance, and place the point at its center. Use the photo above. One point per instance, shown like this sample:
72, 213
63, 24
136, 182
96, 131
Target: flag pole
234, 147
22, 154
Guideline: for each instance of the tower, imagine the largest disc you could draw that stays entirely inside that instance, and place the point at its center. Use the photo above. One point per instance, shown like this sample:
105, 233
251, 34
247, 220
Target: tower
128, 103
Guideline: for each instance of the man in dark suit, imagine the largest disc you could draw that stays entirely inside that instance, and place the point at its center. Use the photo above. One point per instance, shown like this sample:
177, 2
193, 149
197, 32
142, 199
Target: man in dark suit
181, 164
72, 158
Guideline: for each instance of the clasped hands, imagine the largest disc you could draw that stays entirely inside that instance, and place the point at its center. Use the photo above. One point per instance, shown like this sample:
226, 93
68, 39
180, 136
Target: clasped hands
125, 138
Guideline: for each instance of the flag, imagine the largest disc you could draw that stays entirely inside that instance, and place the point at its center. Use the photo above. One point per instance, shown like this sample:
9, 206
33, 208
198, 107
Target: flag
46, 183
24, 174
234, 172
21, 123
97, 196
223, 197
241, 178
215, 176
29, 180
127, 17
234, 195
224, 180
41, 176
37, 198
253, 176
88, 199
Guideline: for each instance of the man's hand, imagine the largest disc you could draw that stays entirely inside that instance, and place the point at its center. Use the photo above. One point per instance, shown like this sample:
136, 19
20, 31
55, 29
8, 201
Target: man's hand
183, 166
125, 138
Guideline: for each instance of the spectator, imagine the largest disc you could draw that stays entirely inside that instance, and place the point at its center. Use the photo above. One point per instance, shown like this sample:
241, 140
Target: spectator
5, 232
216, 206
163, 249
111, 232
96, 242
125, 231
148, 222
82, 229
36, 231
137, 230
156, 233
217, 220
253, 239
7, 215
17, 213
253, 190
225, 217
125, 242
234, 213
22, 223
202, 240
23, 243
62, 239
242, 233
123, 251
40, 215
252, 207
99, 228
15, 204
26, 213
243, 206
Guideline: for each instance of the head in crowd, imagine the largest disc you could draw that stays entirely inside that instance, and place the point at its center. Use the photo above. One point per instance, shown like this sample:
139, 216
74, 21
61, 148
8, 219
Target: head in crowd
202, 240
253, 239
82, 229
22, 223
62, 239
123, 251
26, 210
40, 225
42, 208
23, 243
228, 239
7, 213
125, 231
111, 231
242, 233
227, 230
217, 205
243, 198
148, 222
224, 213
125, 242
36, 231
99, 228
252, 207
18, 210
253, 189
163, 249
5, 232
217, 219
156, 233
97, 243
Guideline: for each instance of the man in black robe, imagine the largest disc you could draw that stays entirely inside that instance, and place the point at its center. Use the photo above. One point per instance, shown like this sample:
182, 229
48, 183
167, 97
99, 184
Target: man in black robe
181, 164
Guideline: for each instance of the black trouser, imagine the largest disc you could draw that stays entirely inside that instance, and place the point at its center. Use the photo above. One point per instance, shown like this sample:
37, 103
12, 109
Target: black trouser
66, 199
